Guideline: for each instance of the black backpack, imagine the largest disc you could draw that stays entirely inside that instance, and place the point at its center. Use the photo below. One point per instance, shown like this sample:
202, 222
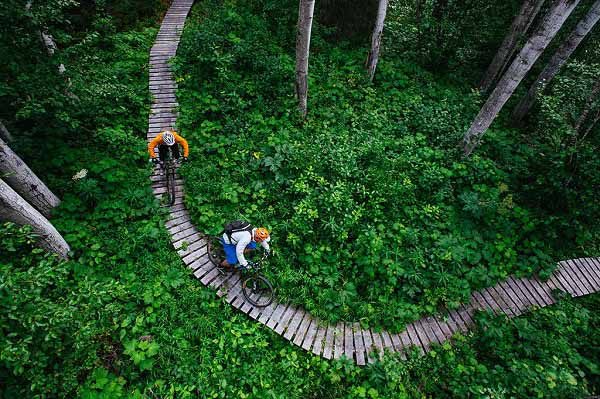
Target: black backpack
236, 226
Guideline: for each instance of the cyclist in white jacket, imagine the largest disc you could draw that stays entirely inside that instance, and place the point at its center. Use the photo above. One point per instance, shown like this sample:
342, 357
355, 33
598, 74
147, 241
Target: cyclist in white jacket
241, 241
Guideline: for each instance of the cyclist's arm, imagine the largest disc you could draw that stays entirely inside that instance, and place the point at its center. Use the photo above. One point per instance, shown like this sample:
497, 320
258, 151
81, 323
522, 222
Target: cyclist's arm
184, 144
240, 247
152, 145
265, 244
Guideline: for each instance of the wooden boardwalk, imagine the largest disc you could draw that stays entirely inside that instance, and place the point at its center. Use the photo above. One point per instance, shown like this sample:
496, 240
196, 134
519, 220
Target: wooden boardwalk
511, 297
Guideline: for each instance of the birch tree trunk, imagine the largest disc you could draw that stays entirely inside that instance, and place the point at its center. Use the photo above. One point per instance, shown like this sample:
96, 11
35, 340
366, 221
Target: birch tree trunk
535, 45
22, 179
518, 28
305, 17
47, 40
4, 133
558, 60
13, 208
376, 39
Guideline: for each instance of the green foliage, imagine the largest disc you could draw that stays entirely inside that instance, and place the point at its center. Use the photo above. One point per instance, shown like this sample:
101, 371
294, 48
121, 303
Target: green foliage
376, 216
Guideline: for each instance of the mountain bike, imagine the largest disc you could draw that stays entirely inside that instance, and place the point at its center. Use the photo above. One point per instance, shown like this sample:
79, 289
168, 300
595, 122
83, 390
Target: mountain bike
168, 167
257, 289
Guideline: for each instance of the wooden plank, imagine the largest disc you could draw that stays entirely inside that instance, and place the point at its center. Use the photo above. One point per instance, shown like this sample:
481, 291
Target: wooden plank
575, 276
564, 281
581, 273
310, 334
585, 269
540, 288
189, 239
595, 263
444, 328
191, 246
359, 345
203, 269
505, 305
478, 301
432, 330
183, 234
378, 344
210, 276
491, 302
348, 341
510, 297
294, 323
521, 294
191, 257
369, 347
591, 273
405, 339
302, 329
338, 339
276, 316
386, 339
317, 346
228, 285
285, 319
328, 342
543, 300
466, 313
458, 321
414, 337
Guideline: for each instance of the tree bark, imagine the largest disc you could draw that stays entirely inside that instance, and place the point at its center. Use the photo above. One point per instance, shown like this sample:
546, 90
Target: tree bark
376, 39
518, 28
535, 45
22, 179
4, 133
305, 17
558, 60
13, 208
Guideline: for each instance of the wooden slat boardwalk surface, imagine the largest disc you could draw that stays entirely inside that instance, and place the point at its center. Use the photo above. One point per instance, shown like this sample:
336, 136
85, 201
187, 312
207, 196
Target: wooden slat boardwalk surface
511, 297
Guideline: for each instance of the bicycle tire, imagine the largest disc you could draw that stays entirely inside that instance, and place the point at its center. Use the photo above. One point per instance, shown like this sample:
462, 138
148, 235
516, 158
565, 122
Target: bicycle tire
258, 290
215, 250
171, 185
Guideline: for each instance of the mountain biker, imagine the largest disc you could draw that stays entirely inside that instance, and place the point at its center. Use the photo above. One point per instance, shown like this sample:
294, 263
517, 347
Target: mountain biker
165, 139
242, 241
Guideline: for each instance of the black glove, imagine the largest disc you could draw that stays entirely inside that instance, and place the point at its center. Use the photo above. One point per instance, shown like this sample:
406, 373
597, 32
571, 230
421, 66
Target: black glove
155, 161
250, 265
185, 159
268, 252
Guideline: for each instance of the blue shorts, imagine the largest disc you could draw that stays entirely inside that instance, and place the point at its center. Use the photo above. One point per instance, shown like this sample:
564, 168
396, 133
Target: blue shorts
230, 254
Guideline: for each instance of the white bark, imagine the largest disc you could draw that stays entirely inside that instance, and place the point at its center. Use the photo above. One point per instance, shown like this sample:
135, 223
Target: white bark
22, 179
518, 28
4, 133
305, 17
558, 60
376, 39
13, 208
553, 20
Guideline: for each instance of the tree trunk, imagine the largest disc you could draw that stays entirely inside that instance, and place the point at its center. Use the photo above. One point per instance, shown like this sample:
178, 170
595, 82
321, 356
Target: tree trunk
4, 133
518, 28
376, 39
558, 60
305, 17
16, 173
47, 40
587, 108
13, 208
556, 16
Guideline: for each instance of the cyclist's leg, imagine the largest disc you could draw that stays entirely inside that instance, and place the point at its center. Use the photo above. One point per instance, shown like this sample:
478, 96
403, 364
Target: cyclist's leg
175, 151
250, 247
230, 255
162, 152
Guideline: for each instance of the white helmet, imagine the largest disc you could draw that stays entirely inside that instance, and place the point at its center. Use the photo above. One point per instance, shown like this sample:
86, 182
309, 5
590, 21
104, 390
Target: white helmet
168, 138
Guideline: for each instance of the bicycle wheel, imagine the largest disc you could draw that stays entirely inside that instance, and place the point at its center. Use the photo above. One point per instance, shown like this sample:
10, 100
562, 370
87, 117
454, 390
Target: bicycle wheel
216, 254
171, 185
258, 290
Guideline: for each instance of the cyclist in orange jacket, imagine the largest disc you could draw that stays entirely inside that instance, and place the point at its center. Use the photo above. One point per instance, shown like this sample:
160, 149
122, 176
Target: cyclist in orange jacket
165, 139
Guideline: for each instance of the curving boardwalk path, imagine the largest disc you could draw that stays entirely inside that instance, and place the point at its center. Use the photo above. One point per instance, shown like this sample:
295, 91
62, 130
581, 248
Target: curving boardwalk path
511, 297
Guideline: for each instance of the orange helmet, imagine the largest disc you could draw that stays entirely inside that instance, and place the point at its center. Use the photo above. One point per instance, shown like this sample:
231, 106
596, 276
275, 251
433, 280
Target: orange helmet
261, 234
